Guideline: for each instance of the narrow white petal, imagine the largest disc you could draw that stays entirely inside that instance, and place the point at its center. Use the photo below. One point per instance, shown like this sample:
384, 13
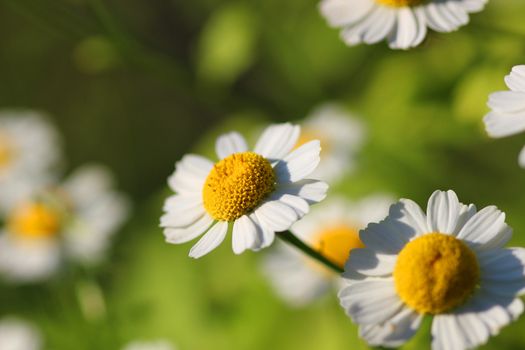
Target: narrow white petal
521, 158
406, 30
244, 234
300, 163
503, 271
486, 229
277, 141
210, 240
393, 333
465, 213
265, 236
516, 79
421, 26
436, 19
501, 125
230, 143
367, 262
183, 217
382, 20
186, 234
297, 203
384, 237
443, 212
276, 215
507, 101
190, 174
312, 191
412, 219
343, 12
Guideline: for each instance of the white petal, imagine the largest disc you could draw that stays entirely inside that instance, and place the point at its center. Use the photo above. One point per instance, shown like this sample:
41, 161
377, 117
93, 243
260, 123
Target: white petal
406, 30
412, 219
370, 302
421, 26
244, 235
186, 234
312, 191
393, 333
486, 229
443, 212
382, 20
501, 125
276, 215
343, 12
277, 141
507, 101
446, 334
437, 19
297, 203
384, 237
300, 163
367, 262
190, 174
184, 216
230, 143
473, 5
516, 79
210, 240
503, 271
465, 213
265, 236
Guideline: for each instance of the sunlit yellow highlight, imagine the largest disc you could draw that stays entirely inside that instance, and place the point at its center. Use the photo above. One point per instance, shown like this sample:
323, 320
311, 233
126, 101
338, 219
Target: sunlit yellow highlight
34, 220
308, 135
400, 3
336, 242
236, 185
436, 273
6, 152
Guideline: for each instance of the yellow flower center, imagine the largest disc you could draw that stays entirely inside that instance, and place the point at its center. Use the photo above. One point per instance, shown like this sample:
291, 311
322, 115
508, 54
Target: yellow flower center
336, 242
436, 273
34, 220
400, 3
6, 151
236, 185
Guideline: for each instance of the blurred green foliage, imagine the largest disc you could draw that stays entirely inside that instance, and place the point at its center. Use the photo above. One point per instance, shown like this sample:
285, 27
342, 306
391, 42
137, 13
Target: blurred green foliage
136, 84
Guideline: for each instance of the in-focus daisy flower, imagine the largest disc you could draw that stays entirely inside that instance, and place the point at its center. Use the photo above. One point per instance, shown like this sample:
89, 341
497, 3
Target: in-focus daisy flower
341, 136
29, 154
403, 23
331, 228
508, 109
257, 192
150, 345
72, 221
16, 334
449, 263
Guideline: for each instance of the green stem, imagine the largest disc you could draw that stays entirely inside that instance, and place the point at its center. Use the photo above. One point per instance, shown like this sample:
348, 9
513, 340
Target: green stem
288, 237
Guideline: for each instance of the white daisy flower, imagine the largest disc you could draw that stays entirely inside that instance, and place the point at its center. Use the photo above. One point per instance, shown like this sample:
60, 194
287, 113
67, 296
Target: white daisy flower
29, 154
73, 221
341, 136
332, 229
257, 192
403, 23
508, 109
150, 345
16, 334
449, 263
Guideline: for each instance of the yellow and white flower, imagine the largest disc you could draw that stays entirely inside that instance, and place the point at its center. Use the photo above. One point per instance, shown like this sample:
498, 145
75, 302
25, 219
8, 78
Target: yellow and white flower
331, 228
29, 154
508, 109
403, 23
341, 136
73, 221
449, 263
16, 334
149, 345
257, 192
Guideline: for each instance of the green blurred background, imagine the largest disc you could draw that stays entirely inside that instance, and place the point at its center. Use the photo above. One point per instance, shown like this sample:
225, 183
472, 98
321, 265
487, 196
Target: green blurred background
136, 84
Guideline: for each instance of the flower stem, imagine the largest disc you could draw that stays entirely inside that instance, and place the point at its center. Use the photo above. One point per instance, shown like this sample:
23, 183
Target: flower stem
289, 237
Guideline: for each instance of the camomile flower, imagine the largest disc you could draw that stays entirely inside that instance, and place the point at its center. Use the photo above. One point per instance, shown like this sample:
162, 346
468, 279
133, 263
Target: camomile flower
16, 334
149, 345
508, 109
256, 193
73, 221
403, 23
448, 263
29, 154
341, 136
331, 228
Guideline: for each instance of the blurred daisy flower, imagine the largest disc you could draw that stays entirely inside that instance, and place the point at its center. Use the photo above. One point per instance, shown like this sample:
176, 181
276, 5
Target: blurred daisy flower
149, 345
332, 229
449, 263
257, 192
72, 221
508, 109
29, 154
403, 23
16, 334
341, 136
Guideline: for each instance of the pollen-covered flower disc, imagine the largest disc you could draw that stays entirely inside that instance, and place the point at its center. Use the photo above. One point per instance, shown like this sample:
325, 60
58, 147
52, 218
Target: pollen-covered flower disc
403, 23
507, 116
449, 263
332, 228
70, 221
257, 192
